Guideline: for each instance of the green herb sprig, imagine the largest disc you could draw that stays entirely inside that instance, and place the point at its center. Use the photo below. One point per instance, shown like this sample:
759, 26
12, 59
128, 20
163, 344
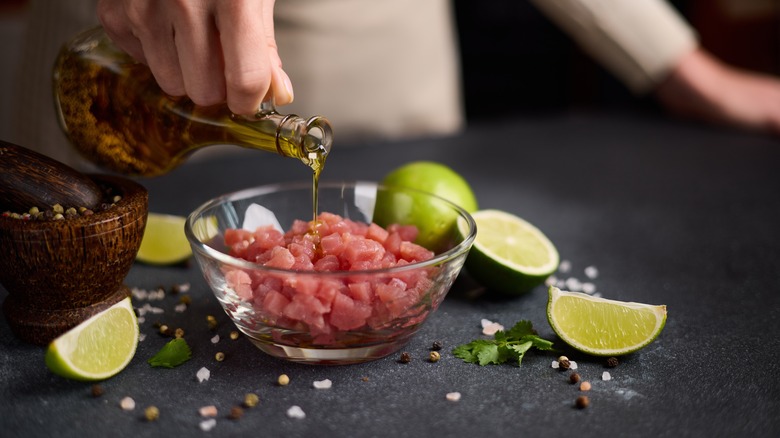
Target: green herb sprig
172, 354
505, 346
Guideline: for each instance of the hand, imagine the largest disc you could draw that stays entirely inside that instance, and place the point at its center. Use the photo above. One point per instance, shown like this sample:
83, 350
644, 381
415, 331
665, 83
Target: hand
704, 88
213, 51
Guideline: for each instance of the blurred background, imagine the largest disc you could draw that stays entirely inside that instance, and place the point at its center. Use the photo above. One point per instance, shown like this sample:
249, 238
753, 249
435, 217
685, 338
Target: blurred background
547, 72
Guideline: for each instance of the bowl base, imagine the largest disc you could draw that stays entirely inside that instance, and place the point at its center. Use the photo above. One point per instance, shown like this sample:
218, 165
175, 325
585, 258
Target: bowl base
329, 356
41, 326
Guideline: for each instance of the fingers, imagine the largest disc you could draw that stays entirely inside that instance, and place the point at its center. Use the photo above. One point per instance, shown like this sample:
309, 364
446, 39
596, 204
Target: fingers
252, 64
200, 58
210, 50
141, 29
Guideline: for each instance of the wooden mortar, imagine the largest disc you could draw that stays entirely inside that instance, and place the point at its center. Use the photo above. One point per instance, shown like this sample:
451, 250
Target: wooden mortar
58, 273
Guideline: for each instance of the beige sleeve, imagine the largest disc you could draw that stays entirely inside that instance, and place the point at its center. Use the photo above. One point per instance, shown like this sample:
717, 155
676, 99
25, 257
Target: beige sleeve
639, 41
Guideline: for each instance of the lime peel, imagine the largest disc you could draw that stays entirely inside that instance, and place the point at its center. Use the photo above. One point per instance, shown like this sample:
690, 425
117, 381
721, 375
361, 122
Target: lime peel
603, 327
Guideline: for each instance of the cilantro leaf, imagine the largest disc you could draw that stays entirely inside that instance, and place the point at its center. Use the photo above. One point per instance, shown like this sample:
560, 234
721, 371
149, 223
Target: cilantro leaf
505, 346
172, 354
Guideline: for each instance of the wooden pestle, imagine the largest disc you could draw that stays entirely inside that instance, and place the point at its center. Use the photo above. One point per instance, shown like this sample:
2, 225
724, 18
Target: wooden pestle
30, 179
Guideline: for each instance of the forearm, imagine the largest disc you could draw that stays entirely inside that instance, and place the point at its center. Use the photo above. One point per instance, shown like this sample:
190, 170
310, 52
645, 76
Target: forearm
639, 41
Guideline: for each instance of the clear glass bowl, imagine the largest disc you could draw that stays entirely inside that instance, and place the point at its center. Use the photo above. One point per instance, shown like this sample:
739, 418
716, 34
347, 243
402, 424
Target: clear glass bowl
328, 317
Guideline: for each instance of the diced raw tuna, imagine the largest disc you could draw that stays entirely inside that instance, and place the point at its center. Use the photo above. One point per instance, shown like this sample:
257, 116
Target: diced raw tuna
323, 305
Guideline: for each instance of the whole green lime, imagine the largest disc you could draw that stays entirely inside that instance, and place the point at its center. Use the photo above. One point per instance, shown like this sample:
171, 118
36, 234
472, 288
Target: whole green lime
434, 219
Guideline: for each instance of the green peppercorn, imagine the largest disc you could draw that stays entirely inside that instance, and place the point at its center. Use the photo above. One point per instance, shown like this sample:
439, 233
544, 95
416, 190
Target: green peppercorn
251, 400
434, 356
212, 322
151, 413
220, 356
234, 335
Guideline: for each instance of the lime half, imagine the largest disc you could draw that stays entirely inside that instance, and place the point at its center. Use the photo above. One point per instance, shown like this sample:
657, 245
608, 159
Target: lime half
603, 327
164, 241
509, 254
99, 347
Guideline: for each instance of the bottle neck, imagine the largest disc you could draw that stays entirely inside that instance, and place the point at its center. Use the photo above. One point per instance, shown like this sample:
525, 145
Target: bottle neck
310, 140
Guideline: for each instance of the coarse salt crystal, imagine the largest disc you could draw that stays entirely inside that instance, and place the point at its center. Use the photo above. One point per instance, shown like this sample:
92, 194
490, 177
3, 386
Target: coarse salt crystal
572, 365
573, 284
207, 425
180, 308
453, 396
490, 327
606, 375
203, 374
592, 272
141, 337
323, 384
555, 364
296, 412
184, 287
588, 287
127, 404
564, 266
208, 411
551, 281
215, 339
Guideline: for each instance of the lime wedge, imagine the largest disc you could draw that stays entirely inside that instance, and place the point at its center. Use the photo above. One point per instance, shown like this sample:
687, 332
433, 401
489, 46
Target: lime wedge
99, 347
164, 241
603, 327
509, 254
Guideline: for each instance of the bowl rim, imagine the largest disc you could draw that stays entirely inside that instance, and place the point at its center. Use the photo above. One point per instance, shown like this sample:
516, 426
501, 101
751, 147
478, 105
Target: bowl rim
460, 249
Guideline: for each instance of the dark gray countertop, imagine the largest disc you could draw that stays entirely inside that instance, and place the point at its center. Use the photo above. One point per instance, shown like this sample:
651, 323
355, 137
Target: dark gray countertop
669, 213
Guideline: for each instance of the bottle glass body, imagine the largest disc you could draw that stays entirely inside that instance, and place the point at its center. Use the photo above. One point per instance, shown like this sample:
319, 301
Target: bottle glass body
115, 115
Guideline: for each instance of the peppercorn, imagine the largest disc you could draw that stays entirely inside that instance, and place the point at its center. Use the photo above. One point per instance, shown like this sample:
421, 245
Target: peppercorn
283, 380
585, 386
220, 356
151, 413
582, 402
236, 412
612, 362
251, 400
96, 390
212, 322
436, 346
179, 333
405, 357
57, 208
574, 378
165, 330
434, 356
234, 335
185, 299
564, 363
